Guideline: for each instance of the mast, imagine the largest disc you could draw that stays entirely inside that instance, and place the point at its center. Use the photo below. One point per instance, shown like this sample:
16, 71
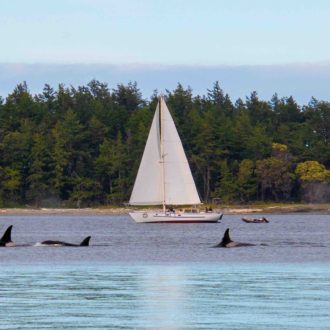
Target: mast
161, 119
164, 176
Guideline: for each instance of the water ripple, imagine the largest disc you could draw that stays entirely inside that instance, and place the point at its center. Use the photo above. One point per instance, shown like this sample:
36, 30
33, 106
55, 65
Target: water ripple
166, 297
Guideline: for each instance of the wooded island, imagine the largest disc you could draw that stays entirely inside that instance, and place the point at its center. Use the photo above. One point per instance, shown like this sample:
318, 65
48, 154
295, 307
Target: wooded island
82, 146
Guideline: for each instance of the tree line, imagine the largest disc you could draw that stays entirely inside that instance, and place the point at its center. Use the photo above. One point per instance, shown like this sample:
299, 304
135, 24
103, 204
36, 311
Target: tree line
82, 146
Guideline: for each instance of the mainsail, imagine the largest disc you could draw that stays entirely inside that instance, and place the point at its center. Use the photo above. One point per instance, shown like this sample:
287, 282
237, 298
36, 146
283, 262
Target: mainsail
164, 175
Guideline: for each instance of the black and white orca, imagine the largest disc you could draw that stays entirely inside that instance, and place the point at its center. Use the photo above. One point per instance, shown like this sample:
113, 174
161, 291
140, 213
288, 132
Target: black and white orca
85, 242
228, 243
6, 238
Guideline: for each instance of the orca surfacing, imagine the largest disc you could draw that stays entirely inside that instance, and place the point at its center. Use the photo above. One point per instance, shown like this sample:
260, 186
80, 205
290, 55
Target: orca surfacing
6, 238
228, 243
85, 242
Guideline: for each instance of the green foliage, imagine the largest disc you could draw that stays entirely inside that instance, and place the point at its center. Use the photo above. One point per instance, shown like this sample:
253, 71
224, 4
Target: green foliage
110, 167
10, 182
68, 155
83, 145
246, 180
40, 171
227, 186
310, 171
275, 178
279, 148
315, 180
85, 192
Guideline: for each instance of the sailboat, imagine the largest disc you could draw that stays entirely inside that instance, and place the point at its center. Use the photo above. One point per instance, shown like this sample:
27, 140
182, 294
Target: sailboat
164, 176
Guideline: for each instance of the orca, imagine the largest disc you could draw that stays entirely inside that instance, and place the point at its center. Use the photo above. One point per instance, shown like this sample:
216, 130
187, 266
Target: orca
5, 240
85, 242
228, 243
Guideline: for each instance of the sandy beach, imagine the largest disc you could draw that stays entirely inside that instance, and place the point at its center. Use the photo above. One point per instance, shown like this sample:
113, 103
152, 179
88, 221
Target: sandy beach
312, 208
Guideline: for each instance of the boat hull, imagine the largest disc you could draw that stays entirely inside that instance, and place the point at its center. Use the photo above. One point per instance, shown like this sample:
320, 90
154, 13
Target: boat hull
152, 217
262, 220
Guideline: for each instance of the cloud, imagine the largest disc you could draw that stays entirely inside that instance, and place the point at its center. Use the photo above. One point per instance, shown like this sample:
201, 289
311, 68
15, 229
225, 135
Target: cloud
302, 81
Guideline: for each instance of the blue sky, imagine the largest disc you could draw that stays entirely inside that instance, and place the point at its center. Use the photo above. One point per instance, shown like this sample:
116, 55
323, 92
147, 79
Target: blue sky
151, 34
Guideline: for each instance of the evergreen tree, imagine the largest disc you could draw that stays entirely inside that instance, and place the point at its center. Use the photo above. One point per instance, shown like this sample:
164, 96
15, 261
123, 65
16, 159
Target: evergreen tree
68, 155
110, 169
10, 183
83, 145
246, 181
227, 186
40, 171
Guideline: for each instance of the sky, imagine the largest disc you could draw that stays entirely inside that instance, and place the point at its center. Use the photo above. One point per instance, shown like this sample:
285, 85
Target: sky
268, 46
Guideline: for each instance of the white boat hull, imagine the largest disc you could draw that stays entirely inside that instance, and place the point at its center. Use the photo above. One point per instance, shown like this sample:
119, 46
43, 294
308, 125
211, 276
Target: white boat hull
153, 217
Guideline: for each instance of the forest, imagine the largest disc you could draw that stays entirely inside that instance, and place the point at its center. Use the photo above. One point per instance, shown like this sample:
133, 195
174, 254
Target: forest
81, 146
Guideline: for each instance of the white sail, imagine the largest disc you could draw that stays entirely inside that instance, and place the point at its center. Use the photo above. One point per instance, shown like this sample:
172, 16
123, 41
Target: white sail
164, 175
148, 187
180, 187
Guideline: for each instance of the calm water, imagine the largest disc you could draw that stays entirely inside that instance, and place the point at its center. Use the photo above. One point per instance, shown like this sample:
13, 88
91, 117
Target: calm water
161, 276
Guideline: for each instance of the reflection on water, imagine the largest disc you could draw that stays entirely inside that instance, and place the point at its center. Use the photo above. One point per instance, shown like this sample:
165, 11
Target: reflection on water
195, 296
165, 296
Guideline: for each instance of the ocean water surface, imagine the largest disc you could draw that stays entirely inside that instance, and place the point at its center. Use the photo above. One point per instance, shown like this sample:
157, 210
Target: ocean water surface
166, 276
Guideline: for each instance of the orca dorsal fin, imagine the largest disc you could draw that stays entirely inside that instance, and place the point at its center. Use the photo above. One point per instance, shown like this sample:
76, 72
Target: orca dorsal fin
226, 238
85, 242
6, 238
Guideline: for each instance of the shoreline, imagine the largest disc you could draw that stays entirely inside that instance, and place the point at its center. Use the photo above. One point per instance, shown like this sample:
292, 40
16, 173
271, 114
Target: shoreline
295, 208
